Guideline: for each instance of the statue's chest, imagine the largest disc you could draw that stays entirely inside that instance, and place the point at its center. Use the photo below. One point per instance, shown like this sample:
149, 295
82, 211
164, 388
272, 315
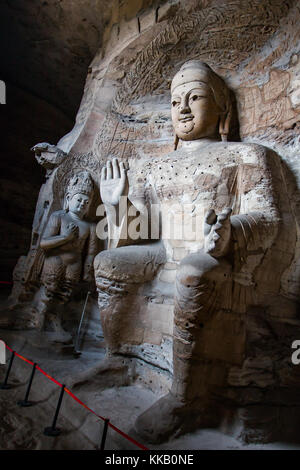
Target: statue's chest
190, 178
205, 179
83, 228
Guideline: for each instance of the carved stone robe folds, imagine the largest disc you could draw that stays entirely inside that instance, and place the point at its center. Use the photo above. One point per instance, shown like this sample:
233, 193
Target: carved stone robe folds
221, 306
66, 264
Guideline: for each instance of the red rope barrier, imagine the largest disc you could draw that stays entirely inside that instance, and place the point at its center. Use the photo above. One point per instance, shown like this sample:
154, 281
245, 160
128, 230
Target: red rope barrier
127, 437
49, 376
19, 355
83, 404
6, 282
133, 441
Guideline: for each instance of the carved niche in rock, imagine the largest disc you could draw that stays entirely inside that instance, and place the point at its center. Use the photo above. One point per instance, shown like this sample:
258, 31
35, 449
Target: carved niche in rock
64, 242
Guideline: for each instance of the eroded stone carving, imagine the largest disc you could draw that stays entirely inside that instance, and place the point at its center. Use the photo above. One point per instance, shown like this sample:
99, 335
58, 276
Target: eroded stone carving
230, 268
69, 244
49, 156
63, 248
217, 45
66, 236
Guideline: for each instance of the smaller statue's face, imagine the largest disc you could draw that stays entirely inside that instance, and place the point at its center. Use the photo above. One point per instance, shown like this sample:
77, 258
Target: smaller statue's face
195, 114
79, 204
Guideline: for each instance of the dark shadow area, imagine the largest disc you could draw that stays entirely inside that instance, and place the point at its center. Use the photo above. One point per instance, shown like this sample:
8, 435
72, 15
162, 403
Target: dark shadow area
24, 121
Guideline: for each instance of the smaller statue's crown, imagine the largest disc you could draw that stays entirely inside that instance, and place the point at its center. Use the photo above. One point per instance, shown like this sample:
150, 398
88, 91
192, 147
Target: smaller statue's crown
80, 183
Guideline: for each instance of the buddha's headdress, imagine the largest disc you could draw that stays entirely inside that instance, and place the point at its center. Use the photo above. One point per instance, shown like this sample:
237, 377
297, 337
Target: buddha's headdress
80, 183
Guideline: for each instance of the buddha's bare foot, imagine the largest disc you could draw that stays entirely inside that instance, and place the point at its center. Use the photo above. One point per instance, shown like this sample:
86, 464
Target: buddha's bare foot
170, 417
161, 420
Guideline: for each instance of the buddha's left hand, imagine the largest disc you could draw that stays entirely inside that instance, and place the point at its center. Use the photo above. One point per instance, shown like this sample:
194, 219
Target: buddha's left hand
217, 232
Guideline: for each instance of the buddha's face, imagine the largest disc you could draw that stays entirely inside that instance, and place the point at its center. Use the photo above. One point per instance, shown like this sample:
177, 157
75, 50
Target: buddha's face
79, 204
195, 114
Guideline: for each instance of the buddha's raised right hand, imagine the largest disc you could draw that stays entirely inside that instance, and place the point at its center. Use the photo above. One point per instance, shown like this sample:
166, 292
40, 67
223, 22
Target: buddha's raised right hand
113, 182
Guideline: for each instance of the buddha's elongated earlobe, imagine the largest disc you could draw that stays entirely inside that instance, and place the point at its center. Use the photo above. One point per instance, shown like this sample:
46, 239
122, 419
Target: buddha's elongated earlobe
225, 123
176, 141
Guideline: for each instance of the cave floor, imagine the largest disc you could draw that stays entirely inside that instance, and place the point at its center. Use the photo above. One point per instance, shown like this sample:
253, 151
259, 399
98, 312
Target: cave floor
22, 428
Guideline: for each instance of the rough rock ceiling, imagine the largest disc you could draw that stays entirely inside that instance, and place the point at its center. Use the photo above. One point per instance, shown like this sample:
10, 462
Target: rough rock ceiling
48, 46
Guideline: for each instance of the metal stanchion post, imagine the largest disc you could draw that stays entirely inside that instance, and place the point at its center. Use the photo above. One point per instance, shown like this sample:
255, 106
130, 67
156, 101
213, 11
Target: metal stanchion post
77, 351
25, 402
52, 430
5, 385
104, 434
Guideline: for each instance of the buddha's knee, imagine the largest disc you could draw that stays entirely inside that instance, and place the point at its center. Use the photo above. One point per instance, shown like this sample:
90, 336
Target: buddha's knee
132, 264
195, 268
116, 265
106, 264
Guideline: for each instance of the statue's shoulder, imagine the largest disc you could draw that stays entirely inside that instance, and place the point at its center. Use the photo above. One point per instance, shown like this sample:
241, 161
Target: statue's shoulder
244, 148
57, 215
251, 153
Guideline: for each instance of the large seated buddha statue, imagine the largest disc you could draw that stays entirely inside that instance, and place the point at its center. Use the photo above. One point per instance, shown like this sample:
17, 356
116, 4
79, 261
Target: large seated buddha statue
232, 226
